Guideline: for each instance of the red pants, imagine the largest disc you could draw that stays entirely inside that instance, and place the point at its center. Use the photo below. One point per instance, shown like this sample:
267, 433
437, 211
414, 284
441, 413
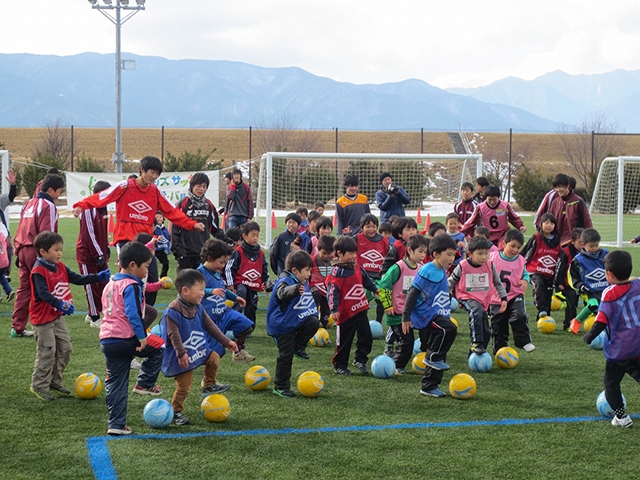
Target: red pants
27, 257
93, 291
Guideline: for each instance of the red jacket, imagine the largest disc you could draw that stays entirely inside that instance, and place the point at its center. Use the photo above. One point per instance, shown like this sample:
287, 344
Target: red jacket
38, 215
570, 212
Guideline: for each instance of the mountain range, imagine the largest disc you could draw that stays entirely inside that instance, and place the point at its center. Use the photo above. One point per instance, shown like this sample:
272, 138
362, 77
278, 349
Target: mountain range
79, 90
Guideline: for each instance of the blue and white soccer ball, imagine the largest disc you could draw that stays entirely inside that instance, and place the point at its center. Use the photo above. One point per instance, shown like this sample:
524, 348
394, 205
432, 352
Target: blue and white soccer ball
158, 413
480, 363
229, 334
157, 330
598, 342
383, 366
454, 305
376, 328
603, 406
417, 345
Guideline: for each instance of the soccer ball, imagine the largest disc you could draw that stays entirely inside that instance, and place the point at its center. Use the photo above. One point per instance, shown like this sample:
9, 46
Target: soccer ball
167, 283
546, 324
556, 303
383, 367
230, 335
330, 321
598, 342
229, 303
88, 386
454, 304
507, 358
418, 363
417, 345
588, 323
157, 330
603, 406
310, 384
376, 328
321, 338
215, 408
454, 321
462, 386
158, 413
257, 378
480, 363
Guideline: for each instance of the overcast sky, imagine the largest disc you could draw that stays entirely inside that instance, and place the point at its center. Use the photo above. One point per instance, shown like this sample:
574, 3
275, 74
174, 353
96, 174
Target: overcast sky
445, 43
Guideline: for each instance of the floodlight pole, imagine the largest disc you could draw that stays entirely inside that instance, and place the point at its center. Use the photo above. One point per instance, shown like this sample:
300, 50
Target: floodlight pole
118, 157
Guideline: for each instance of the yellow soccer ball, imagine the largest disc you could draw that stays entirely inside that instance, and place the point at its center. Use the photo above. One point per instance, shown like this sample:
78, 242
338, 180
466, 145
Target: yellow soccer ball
88, 386
462, 386
321, 338
330, 321
257, 378
310, 384
588, 323
556, 303
454, 321
546, 324
507, 358
167, 283
418, 363
215, 408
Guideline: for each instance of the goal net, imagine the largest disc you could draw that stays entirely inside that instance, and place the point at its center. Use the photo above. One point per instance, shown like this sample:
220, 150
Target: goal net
287, 180
616, 197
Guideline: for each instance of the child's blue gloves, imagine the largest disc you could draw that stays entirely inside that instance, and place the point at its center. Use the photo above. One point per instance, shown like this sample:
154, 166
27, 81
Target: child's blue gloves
104, 275
66, 308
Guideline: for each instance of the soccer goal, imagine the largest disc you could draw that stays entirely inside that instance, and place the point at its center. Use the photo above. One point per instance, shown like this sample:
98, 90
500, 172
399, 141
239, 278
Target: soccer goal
287, 180
616, 197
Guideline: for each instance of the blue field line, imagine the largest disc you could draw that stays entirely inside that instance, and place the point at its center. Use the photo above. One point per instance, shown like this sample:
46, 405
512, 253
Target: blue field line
103, 469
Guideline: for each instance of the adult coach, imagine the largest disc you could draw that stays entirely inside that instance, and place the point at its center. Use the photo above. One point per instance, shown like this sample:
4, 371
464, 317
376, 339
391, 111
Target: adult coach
239, 207
391, 198
569, 208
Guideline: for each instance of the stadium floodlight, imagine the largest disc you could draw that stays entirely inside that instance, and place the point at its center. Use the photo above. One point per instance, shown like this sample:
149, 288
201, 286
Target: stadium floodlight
118, 20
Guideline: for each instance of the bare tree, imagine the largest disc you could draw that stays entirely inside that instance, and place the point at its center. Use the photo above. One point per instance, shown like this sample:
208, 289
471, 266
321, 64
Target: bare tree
282, 135
55, 142
576, 145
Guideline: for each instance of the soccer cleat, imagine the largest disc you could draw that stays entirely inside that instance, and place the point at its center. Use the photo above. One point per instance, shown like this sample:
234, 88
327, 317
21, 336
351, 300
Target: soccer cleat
61, 390
302, 354
529, 347
434, 392
574, 326
87, 319
215, 388
11, 296
477, 348
42, 395
135, 364
24, 333
342, 371
243, 356
119, 431
180, 418
154, 391
285, 393
362, 367
400, 371
439, 365
623, 422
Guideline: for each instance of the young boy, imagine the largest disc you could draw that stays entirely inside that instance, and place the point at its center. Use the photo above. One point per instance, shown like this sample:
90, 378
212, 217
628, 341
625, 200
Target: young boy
484, 232
567, 254
247, 272
292, 318
618, 315
303, 213
319, 271
163, 245
394, 287
312, 232
465, 207
515, 278
452, 222
385, 230
324, 226
372, 250
123, 336
403, 229
351, 207
215, 256
541, 253
239, 205
348, 304
183, 323
427, 310
481, 189
474, 282
319, 207
282, 244
50, 301
588, 275
496, 215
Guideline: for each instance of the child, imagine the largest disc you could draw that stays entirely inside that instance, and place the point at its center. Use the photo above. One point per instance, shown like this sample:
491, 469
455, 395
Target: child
510, 266
427, 310
292, 318
618, 315
350, 207
495, 214
465, 207
484, 232
247, 272
281, 246
474, 282
588, 275
183, 321
452, 222
319, 207
385, 231
394, 287
304, 225
481, 186
123, 336
312, 232
567, 254
541, 253
215, 256
234, 234
403, 229
163, 246
372, 250
348, 304
319, 271
324, 226
50, 301
5, 246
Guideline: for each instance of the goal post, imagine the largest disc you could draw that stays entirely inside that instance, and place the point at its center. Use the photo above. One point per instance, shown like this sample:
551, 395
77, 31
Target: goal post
287, 180
615, 200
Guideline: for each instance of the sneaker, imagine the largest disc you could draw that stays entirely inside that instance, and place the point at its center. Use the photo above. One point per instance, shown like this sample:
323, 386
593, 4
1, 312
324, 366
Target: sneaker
25, 333
401, 371
180, 418
434, 392
215, 388
42, 395
302, 354
389, 349
96, 323
155, 390
342, 371
623, 422
283, 393
477, 348
439, 365
87, 319
574, 326
61, 390
11, 295
243, 356
362, 367
529, 347
135, 364
119, 431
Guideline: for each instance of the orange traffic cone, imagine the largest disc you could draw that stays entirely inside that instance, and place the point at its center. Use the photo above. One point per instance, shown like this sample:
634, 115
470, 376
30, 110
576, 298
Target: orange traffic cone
419, 217
335, 219
428, 223
274, 223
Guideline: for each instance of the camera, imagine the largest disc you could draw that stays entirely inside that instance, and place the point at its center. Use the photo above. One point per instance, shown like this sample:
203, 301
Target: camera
392, 190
